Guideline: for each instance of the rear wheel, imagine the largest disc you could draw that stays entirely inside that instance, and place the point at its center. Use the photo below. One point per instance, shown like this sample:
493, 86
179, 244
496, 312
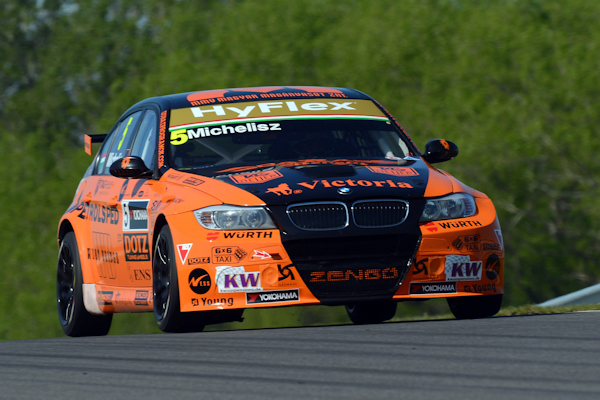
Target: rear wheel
165, 286
371, 312
475, 306
75, 320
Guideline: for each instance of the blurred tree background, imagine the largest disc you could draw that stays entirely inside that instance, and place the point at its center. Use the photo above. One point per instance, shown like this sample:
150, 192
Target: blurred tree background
514, 83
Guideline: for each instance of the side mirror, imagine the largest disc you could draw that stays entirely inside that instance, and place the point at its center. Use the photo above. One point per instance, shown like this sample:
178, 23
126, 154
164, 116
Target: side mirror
129, 167
439, 150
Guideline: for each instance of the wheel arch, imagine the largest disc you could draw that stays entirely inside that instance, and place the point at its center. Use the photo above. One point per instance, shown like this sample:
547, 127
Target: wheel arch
83, 242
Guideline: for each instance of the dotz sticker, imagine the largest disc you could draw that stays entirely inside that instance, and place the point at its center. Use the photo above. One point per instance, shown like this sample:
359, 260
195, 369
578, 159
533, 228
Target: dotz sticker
199, 281
136, 247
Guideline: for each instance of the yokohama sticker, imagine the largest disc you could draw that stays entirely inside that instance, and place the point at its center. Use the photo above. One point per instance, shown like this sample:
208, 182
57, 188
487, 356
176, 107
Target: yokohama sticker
432, 287
275, 296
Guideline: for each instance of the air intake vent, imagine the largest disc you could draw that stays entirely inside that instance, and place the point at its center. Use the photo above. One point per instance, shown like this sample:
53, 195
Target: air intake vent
379, 213
319, 216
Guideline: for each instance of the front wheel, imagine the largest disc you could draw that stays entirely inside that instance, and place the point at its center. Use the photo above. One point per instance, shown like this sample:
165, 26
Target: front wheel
371, 312
165, 287
475, 306
75, 320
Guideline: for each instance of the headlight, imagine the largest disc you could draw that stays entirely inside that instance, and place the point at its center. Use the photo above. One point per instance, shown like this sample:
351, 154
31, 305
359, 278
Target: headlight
457, 205
232, 217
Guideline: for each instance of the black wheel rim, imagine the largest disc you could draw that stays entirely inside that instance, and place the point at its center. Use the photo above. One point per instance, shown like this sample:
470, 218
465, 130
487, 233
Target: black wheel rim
160, 280
65, 282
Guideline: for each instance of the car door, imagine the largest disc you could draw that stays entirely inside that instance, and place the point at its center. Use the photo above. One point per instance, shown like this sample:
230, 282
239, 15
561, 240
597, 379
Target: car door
135, 202
109, 216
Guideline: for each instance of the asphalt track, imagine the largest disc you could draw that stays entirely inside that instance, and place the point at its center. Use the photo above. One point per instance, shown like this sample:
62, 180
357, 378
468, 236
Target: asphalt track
528, 357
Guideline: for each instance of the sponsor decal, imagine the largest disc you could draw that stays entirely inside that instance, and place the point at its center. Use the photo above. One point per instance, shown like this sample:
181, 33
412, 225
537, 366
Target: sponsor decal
181, 136
228, 95
247, 235
421, 267
136, 247
395, 171
161, 139
459, 224
257, 177
210, 236
199, 260
123, 189
227, 255
274, 296
174, 177
261, 254
183, 250
192, 181
135, 215
225, 301
430, 226
199, 281
432, 287
461, 268
105, 297
490, 287
236, 279
354, 274
500, 239
141, 297
285, 272
492, 267
352, 182
103, 185
491, 247
265, 111
142, 274
97, 213
311, 161
105, 259
468, 243
282, 189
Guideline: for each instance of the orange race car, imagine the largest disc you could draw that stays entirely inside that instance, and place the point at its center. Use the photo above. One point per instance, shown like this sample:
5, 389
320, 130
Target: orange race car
200, 205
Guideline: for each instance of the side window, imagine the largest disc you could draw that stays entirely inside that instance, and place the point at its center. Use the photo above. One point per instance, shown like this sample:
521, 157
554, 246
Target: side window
103, 152
144, 145
122, 143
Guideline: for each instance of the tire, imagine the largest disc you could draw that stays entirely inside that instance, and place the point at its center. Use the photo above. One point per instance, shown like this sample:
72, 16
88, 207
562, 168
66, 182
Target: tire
74, 319
472, 307
373, 312
165, 289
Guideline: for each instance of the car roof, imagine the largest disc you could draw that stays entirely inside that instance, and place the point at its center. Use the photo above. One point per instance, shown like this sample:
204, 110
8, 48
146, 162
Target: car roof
232, 95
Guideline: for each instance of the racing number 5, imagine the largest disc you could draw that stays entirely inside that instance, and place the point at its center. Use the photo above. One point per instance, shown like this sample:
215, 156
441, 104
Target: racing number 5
179, 137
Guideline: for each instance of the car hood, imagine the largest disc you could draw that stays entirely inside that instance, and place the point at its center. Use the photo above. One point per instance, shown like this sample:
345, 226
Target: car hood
338, 180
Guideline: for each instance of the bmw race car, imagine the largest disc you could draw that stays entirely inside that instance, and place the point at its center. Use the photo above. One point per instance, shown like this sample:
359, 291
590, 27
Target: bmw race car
203, 204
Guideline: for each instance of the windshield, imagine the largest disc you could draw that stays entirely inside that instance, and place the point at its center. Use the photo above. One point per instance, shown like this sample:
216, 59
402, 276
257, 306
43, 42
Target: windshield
200, 138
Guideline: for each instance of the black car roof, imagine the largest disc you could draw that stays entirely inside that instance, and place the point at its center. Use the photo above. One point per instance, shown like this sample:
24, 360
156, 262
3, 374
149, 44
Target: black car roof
215, 96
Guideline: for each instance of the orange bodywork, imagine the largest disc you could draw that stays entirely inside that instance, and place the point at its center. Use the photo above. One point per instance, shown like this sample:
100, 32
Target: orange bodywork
455, 257
116, 220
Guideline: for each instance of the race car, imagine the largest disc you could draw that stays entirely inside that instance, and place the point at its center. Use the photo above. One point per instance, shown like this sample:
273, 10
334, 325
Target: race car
202, 204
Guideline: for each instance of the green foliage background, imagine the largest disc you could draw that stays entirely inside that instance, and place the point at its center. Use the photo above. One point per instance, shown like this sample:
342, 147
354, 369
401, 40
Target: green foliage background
515, 83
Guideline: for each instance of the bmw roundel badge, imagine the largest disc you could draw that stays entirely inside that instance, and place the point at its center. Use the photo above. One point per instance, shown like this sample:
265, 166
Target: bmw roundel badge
344, 190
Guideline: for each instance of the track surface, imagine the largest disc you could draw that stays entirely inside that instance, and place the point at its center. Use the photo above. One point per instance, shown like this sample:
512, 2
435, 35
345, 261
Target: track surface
529, 357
